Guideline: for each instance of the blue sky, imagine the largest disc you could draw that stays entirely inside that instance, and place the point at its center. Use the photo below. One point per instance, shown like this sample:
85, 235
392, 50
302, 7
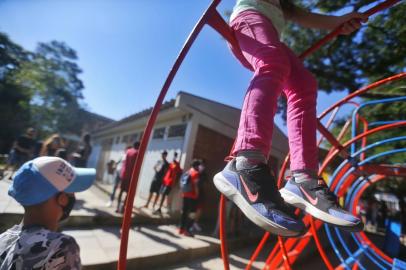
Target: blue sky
126, 49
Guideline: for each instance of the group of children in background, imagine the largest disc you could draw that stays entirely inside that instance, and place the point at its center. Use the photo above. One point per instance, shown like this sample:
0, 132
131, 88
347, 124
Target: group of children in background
166, 176
27, 147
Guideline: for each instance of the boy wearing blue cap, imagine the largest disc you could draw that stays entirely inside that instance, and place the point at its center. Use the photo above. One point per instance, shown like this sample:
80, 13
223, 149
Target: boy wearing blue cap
45, 187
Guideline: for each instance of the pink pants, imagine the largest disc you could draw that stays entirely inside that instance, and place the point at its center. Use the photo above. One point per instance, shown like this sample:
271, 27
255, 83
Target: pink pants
276, 69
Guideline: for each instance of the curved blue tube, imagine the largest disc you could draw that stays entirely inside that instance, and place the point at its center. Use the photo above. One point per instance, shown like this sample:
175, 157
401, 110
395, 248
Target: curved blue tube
371, 254
365, 104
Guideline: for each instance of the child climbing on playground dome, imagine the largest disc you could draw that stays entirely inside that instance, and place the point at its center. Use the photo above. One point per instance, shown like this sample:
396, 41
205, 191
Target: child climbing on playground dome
246, 179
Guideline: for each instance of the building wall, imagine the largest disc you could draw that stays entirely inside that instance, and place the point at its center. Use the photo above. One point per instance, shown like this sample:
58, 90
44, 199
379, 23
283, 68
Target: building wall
105, 149
152, 155
215, 112
111, 146
213, 147
210, 132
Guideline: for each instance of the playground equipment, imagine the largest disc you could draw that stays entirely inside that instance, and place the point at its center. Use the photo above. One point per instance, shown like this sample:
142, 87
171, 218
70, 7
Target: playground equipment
352, 177
348, 181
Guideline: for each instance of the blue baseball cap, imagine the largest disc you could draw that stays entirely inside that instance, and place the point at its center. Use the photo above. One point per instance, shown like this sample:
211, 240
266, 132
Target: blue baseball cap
42, 178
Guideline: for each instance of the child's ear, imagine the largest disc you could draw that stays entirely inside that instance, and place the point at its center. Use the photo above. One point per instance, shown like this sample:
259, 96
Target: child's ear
62, 199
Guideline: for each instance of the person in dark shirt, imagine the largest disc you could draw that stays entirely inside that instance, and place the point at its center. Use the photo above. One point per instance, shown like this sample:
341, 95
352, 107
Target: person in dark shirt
22, 150
83, 152
37, 149
160, 169
62, 153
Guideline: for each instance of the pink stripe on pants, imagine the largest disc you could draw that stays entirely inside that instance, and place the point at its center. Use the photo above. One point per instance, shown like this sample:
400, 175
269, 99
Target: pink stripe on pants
276, 69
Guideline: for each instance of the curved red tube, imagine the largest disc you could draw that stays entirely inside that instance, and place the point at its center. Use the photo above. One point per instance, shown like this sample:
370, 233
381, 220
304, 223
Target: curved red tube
223, 233
147, 133
122, 261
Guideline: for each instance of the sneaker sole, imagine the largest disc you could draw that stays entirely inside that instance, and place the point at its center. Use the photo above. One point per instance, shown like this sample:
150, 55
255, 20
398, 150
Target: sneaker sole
234, 195
301, 203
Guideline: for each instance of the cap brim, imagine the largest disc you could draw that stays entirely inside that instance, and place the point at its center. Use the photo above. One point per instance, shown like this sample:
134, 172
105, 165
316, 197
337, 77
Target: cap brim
84, 179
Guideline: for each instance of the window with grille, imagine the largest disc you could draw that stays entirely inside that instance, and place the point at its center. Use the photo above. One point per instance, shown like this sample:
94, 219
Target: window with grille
125, 139
134, 137
177, 131
159, 133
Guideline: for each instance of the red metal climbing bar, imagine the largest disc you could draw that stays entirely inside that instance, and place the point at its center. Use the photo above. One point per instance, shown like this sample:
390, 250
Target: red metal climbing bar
122, 261
336, 32
223, 233
211, 17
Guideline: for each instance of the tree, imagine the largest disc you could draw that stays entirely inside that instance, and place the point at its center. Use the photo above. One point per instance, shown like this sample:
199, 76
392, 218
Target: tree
40, 89
376, 51
52, 77
14, 99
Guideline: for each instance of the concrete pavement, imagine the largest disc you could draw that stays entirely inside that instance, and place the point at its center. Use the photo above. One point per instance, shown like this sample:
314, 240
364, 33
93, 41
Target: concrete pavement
96, 228
149, 247
238, 261
90, 210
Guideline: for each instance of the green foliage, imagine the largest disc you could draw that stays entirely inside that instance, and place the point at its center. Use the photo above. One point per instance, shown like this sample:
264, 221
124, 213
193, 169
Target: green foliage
52, 77
40, 89
14, 99
392, 111
376, 51
381, 112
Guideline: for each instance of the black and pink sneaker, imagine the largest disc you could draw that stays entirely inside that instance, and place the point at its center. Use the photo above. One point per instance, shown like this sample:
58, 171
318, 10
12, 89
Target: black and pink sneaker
314, 197
255, 192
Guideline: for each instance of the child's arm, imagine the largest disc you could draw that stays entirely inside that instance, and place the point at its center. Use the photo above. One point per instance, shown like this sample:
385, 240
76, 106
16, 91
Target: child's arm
156, 166
351, 21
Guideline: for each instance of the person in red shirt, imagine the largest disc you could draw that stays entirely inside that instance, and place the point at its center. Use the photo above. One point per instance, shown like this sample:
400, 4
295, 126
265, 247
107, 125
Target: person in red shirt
190, 195
171, 176
125, 174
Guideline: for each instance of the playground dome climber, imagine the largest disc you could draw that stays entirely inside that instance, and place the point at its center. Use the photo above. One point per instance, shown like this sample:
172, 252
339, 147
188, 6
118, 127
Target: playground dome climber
350, 179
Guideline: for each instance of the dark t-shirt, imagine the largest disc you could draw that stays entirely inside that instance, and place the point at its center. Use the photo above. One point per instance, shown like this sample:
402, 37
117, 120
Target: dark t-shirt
50, 151
202, 179
84, 151
162, 166
26, 143
201, 185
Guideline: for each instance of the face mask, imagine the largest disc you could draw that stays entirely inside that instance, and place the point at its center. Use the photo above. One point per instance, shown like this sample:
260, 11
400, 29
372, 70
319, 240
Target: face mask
68, 207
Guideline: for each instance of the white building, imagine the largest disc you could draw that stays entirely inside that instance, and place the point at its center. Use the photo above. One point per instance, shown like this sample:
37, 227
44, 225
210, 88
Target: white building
193, 126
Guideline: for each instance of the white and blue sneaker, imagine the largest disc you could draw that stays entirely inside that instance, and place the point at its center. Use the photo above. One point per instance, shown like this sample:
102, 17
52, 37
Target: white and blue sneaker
255, 192
314, 197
